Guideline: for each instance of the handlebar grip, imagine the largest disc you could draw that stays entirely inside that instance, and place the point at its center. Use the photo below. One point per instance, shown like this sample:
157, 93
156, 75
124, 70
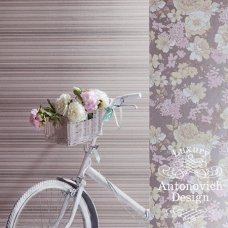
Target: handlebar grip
131, 96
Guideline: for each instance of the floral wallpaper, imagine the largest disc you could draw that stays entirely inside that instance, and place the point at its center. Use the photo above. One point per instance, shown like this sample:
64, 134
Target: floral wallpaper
189, 113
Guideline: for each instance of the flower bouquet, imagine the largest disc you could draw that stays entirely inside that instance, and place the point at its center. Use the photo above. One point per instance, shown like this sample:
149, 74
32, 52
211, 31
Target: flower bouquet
72, 119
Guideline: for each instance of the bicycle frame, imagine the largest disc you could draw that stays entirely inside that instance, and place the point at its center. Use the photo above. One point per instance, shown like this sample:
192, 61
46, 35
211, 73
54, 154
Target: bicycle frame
123, 197
87, 170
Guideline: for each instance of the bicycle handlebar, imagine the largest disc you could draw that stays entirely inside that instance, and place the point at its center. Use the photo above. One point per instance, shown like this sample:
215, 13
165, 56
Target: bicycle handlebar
121, 100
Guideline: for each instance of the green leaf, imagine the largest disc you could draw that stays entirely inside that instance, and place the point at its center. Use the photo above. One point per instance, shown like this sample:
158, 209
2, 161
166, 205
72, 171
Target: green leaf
52, 106
48, 109
49, 114
90, 116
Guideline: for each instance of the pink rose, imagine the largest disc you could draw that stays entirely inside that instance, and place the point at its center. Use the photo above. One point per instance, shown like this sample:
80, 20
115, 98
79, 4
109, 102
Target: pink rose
34, 119
90, 101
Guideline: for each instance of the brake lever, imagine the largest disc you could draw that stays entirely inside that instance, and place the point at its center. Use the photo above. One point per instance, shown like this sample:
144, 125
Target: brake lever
119, 102
129, 105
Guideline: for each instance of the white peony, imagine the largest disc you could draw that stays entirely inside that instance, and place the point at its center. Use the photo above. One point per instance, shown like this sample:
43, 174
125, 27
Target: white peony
197, 23
186, 134
174, 15
102, 97
156, 135
61, 104
185, 7
156, 5
196, 92
164, 43
157, 79
199, 49
76, 112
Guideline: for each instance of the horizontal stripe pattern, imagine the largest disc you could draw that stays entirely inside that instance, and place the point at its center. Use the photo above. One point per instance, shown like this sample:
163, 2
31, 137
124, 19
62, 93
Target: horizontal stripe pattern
46, 48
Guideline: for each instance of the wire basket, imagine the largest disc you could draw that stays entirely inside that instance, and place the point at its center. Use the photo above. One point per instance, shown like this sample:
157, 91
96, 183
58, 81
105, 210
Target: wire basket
71, 134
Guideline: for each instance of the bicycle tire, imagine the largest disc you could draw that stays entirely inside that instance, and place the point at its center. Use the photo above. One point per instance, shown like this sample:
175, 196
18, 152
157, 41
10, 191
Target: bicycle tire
86, 207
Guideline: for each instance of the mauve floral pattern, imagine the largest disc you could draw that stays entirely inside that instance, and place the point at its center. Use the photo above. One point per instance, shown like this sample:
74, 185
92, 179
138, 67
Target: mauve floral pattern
189, 108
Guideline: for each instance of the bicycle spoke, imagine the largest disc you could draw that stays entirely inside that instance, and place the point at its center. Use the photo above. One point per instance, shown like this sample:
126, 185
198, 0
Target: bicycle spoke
43, 208
49, 223
41, 217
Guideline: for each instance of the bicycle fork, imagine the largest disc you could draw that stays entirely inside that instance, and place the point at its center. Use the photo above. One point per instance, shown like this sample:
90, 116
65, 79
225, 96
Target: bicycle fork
78, 192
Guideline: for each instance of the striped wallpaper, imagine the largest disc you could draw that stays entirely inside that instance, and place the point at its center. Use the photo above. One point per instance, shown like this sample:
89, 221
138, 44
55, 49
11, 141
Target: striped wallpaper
46, 48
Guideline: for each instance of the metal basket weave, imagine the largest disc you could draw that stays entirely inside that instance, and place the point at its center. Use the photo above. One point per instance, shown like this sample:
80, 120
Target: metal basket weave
74, 133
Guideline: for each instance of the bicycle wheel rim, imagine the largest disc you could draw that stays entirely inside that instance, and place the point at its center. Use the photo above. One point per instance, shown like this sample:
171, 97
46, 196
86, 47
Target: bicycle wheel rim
40, 207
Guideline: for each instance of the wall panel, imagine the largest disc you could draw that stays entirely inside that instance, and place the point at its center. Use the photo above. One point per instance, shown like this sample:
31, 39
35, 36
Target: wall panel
46, 47
189, 113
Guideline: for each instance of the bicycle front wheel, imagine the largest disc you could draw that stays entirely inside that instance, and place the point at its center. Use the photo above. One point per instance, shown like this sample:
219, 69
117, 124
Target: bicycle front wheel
41, 206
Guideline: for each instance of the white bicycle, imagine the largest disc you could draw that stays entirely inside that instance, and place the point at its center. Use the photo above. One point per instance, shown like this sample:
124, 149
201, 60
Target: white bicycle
64, 202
